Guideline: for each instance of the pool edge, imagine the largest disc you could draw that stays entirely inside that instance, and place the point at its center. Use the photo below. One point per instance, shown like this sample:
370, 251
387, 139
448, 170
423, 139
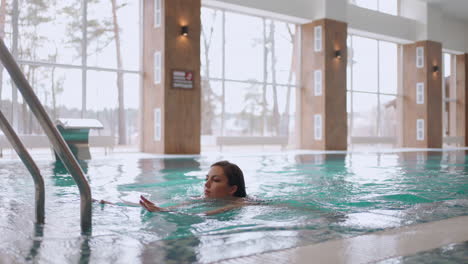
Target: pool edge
372, 247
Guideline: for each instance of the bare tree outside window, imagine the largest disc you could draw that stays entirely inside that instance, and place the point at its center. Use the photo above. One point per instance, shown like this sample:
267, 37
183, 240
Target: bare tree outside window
250, 76
101, 32
209, 98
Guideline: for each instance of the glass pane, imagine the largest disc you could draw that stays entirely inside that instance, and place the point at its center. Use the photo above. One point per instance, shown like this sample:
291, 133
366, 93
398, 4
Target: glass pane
388, 67
365, 64
370, 4
6, 95
348, 76
101, 39
364, 115
389, 7
102, 50
6, 26
349, 113
211, 46
11, 111
280, 103
101, 100
128, 20
280, 40
450, 108
25, 122
60, 92
212, 103
388, 116
244, 109
50, 32
446, 94
131, 90
447, 65
289, 118
445, 120
132, 106
244, 47
348, 102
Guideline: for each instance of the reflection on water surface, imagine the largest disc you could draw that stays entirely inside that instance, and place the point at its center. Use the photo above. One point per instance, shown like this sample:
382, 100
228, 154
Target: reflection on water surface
305, 199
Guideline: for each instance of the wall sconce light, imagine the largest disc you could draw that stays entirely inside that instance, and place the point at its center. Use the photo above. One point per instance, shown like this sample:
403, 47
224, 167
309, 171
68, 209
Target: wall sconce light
338, 54
435, 69
184, 31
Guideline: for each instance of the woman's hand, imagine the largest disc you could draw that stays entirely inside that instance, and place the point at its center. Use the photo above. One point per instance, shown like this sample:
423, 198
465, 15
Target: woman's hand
148, 205
102, 201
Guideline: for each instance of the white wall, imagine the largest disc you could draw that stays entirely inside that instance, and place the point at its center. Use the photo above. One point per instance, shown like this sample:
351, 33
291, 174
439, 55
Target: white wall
452, 34
365, 20
413, 9
418, 21
466, 43
299, 11
336, 9
434, 26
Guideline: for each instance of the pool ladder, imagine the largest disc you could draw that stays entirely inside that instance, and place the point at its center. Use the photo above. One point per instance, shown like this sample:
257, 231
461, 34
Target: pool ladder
57, 141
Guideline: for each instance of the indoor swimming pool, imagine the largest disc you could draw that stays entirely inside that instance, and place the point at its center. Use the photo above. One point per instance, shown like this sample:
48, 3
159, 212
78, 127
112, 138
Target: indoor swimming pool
305, 199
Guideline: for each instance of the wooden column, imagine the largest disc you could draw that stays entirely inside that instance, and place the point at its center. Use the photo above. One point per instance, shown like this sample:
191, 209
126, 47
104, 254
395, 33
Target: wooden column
179, 108
330, 103
430, 110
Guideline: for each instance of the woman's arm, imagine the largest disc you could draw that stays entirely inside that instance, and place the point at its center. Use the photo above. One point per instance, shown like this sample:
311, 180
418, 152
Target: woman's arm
147, 204
107, 202
150, 206
102, 201
224, 209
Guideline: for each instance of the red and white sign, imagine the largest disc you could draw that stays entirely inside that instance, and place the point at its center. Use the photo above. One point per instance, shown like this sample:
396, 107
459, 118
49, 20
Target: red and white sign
182, 79
188, 76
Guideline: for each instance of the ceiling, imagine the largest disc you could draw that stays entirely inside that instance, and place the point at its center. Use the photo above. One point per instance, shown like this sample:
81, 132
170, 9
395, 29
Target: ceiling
455, 8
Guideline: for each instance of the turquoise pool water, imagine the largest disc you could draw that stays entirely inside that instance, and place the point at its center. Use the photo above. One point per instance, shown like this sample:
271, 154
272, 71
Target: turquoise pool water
308, 198
450, 254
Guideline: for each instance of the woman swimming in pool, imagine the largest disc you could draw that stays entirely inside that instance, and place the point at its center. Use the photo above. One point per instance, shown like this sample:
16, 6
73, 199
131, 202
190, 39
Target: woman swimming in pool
224, 181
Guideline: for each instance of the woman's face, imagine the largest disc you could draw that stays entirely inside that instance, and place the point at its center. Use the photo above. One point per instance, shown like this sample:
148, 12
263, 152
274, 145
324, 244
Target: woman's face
217, 185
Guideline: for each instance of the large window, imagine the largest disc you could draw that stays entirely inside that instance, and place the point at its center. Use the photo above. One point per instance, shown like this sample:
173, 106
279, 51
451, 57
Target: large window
446, 93
49, 38
248, 75
372, 90
451, 133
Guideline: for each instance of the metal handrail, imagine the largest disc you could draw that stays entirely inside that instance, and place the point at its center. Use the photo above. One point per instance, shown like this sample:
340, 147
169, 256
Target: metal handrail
56, 139
30, 165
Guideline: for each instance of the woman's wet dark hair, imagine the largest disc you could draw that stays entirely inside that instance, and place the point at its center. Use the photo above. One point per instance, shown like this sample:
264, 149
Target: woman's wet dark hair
234, 175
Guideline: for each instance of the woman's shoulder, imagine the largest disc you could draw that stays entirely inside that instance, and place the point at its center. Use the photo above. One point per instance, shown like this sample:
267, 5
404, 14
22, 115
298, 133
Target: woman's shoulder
250, 200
